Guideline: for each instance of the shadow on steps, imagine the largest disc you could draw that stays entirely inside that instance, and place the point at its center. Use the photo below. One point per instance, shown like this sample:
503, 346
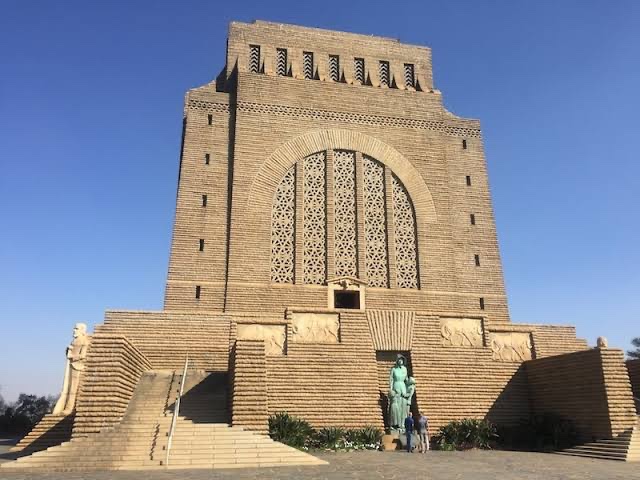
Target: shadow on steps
205, 400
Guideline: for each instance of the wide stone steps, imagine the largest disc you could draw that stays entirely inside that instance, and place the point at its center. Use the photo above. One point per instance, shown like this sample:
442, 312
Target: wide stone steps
51, 430
625, 447
202, 437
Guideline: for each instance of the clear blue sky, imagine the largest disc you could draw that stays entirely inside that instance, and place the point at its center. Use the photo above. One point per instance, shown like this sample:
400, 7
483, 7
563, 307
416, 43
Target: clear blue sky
90, 119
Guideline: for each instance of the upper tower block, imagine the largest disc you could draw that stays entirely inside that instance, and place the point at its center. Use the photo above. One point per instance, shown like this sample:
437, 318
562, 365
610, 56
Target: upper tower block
316, 54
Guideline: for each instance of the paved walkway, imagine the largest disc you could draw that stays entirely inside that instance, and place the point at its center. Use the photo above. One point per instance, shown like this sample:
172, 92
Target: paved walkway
474, 465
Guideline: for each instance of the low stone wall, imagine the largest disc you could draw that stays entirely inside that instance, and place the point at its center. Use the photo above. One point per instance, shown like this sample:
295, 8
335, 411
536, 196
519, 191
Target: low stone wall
633, 367
590, 387
113, 368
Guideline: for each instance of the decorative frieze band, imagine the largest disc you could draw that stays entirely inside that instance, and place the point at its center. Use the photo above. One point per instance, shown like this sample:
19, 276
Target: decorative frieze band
359, 118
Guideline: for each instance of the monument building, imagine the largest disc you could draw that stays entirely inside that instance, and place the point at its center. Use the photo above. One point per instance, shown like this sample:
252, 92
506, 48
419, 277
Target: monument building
331, 215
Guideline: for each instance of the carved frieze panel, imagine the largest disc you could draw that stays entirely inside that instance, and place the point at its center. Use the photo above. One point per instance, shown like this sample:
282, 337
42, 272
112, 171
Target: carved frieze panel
274, 336
511, 346
315, 327
461, 332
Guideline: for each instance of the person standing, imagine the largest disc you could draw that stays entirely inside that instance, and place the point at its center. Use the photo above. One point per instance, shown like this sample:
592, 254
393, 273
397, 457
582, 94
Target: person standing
423, 432
408, 427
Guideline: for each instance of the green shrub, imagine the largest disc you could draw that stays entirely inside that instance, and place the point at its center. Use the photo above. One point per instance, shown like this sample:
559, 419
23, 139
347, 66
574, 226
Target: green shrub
370, 435
298, 433
353, 435
539, 432
465, 434
330, 437
289, 430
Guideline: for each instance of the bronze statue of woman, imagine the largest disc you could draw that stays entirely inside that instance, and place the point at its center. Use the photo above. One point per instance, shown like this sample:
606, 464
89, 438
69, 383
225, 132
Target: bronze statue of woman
397, 393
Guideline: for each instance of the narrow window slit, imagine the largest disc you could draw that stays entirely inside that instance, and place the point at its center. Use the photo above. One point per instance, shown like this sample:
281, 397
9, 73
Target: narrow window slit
281, 65
358, 70
254, 58
383, 71
307, 60
334, 68
409, 75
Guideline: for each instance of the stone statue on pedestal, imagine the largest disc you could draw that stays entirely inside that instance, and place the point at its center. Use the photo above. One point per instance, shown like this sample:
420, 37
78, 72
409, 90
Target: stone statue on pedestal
76, 355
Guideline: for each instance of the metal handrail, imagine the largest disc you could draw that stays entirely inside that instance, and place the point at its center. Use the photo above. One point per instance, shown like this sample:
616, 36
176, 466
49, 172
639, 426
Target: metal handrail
176, 411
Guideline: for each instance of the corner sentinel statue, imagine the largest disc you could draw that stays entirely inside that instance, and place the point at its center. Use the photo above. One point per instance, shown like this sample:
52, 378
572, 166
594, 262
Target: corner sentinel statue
76, 355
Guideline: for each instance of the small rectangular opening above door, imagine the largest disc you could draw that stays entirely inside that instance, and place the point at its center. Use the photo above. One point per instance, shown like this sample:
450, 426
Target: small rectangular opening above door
346, 299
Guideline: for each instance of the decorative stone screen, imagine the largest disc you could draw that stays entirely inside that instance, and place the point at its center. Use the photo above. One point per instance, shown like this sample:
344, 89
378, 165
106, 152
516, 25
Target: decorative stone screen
315, 219
405, 231
346, 242
368, 208
375, 225
283, 229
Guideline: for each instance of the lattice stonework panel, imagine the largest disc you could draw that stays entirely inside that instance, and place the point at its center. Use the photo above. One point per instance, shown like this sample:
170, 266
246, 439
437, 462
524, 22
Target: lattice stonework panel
375, 227
315, 218
283, 215
405, 232
346, 244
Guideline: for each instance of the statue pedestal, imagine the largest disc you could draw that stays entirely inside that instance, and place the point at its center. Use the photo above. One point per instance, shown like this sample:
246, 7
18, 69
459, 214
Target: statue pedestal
390, 442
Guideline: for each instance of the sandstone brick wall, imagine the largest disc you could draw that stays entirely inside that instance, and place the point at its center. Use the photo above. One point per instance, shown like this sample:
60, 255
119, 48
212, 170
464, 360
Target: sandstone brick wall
549, 340
330, 384
464, 382
113, 367
341, 384
166, 338
589, 387
249, 386
194, 221
633, 367
261, 121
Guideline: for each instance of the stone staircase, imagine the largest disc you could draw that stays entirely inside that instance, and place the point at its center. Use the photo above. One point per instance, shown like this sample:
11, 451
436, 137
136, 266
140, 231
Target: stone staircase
129, 444
202, 438
50, 431
625, 447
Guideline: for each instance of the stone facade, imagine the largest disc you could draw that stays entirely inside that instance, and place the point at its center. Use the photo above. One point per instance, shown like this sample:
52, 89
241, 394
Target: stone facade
321, 166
